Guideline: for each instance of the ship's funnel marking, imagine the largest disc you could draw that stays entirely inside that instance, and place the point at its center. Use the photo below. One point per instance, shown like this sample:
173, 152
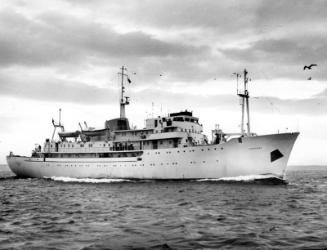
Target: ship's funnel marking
275, 155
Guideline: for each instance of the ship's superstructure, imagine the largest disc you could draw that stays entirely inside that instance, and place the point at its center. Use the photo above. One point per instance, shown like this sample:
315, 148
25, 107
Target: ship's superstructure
168, 147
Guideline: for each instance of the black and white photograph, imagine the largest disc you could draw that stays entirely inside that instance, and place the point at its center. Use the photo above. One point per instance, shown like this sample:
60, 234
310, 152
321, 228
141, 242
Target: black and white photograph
163, 124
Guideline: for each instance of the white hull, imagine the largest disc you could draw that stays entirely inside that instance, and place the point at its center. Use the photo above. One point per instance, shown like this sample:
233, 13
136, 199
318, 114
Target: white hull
252, 156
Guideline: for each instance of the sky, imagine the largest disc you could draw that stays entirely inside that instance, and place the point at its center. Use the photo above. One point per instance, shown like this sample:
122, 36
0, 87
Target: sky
179, 55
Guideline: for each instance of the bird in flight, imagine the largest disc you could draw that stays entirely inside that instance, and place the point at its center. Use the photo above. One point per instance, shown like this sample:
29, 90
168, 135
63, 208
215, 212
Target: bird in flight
309, 67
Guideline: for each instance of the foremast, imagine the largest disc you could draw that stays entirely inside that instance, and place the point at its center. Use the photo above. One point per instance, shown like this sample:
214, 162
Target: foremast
124, 100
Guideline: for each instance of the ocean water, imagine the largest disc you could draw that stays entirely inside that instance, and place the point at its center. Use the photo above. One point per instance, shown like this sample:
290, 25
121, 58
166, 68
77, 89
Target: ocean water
67, 213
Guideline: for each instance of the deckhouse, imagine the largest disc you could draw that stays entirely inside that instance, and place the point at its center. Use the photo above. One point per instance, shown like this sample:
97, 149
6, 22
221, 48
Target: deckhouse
179, 129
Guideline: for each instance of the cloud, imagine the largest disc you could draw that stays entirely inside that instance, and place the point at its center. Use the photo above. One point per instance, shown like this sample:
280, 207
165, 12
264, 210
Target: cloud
59, 38
63, 42
313, 106
180, 14
60, 90
47, 89
69, 41
285, 13
50, 89
204, 39
284, 57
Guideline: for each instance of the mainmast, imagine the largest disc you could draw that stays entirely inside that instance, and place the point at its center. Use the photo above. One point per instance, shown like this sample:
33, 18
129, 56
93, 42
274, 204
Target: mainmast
124, 100
244, 94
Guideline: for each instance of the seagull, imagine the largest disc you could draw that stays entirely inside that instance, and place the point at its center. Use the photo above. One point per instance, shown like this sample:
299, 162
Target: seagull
309, 78
309, 67
160, 75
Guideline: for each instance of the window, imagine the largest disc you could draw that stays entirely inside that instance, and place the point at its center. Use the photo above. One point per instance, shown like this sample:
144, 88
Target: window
178, 119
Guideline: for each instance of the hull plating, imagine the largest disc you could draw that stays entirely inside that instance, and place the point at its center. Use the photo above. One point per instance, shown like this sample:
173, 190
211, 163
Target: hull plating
237, 157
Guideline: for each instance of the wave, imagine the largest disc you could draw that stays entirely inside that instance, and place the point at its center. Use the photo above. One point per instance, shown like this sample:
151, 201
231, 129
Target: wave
264, 178
87, 180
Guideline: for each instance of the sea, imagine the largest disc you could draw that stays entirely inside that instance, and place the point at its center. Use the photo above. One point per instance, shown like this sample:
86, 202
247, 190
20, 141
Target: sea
65, 213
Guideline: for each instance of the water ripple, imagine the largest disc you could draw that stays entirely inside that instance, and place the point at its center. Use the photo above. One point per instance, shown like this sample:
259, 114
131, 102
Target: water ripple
106, 214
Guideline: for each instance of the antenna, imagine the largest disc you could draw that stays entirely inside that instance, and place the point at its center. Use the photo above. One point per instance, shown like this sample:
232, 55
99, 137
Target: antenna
152, 109
59, 116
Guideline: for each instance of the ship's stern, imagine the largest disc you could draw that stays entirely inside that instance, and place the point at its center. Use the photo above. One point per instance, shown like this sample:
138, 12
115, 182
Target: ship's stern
18, 167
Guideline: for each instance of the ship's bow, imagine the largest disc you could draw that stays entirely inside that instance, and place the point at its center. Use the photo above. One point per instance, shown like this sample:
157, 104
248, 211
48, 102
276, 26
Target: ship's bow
277, 149
260, 155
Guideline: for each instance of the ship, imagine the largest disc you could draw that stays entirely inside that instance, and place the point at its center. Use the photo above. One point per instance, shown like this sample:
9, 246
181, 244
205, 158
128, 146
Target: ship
171, 147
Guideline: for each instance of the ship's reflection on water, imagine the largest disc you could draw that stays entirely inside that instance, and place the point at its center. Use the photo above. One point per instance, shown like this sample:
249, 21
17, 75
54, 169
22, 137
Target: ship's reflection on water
66, 214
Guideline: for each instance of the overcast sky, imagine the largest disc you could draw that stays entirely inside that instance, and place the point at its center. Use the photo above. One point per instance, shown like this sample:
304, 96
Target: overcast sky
66, 54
